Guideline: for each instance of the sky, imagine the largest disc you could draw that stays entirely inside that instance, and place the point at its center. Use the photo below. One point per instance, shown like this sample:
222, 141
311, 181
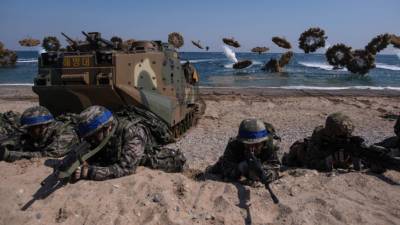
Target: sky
252, 23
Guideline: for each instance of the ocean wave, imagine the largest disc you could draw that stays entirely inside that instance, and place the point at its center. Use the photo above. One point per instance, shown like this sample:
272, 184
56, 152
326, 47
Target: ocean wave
229, 66
17, 84
387, 66
199, 60
320, 65
301, 87
328, 67
341, 88
29, 60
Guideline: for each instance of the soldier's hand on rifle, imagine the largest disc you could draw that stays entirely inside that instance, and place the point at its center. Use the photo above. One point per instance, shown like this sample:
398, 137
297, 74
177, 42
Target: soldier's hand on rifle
338, 159
81, 172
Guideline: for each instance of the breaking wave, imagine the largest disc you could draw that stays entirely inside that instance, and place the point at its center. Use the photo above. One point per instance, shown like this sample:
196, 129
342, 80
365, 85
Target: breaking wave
30, 60
301, 87
387, 66
199, 60
320, 65
328, 67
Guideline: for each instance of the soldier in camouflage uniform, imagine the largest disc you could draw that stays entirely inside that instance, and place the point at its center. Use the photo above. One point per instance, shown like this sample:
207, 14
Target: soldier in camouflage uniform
392, 144
255, 138
326, 148
40, 136
126, 145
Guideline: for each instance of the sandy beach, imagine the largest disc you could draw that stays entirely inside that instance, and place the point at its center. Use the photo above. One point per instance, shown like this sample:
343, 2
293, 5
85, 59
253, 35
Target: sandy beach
154, 197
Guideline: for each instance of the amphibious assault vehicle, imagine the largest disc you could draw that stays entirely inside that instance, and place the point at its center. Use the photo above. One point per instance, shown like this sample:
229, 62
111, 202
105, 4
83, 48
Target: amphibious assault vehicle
146, 74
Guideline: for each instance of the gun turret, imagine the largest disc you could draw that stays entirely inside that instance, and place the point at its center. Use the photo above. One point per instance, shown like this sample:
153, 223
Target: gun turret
95, 37
73, 43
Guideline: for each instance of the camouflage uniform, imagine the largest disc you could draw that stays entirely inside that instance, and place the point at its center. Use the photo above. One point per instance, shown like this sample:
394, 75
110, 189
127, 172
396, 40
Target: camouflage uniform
9, 123
131, 145
122, 154
55, 142
393, 143
233, 163
325, 149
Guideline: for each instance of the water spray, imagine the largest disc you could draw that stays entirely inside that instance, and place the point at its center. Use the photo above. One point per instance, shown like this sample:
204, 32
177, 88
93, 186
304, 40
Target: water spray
230, 54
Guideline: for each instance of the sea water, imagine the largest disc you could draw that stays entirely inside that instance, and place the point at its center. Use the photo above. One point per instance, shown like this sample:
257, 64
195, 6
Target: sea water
305, 71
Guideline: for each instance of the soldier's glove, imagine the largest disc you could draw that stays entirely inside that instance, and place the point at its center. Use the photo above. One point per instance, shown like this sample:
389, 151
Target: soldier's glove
81, 172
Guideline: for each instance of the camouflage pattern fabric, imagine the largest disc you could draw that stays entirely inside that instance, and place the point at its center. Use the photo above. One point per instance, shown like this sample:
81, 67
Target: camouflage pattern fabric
36, 115
56, 142
132, 145
393, 143
232, 164
328, 146
9, 123
158, 128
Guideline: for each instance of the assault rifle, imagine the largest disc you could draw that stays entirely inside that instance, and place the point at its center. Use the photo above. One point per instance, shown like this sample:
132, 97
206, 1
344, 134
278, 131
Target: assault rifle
256, 167
63, 170
371, 155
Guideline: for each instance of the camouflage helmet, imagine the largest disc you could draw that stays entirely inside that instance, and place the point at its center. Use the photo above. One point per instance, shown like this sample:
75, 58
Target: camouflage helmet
252, 131
93, 119
397, 127
338, 124
36, 115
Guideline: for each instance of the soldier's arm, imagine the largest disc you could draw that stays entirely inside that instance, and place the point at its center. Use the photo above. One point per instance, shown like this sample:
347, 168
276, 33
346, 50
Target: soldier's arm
271, 163
230, 163
11, 150
135, 139
11, 156
61, 144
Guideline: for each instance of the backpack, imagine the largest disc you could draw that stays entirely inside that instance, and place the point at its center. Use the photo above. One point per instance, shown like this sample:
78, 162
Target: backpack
158, 128
165, 159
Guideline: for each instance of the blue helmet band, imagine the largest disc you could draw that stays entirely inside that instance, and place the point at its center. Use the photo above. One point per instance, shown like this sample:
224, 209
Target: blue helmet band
253, 134
36, 120
85, 128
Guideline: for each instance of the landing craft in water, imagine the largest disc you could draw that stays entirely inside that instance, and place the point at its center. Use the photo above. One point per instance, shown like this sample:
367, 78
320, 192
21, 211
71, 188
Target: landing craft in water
276, 66
259, 50
395, 41
29, 42
197, 44
338, 55
282, 42
242, 64
231, 42
361, 62
148, 75
312, 39
175, 39
378, 43
7, 57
